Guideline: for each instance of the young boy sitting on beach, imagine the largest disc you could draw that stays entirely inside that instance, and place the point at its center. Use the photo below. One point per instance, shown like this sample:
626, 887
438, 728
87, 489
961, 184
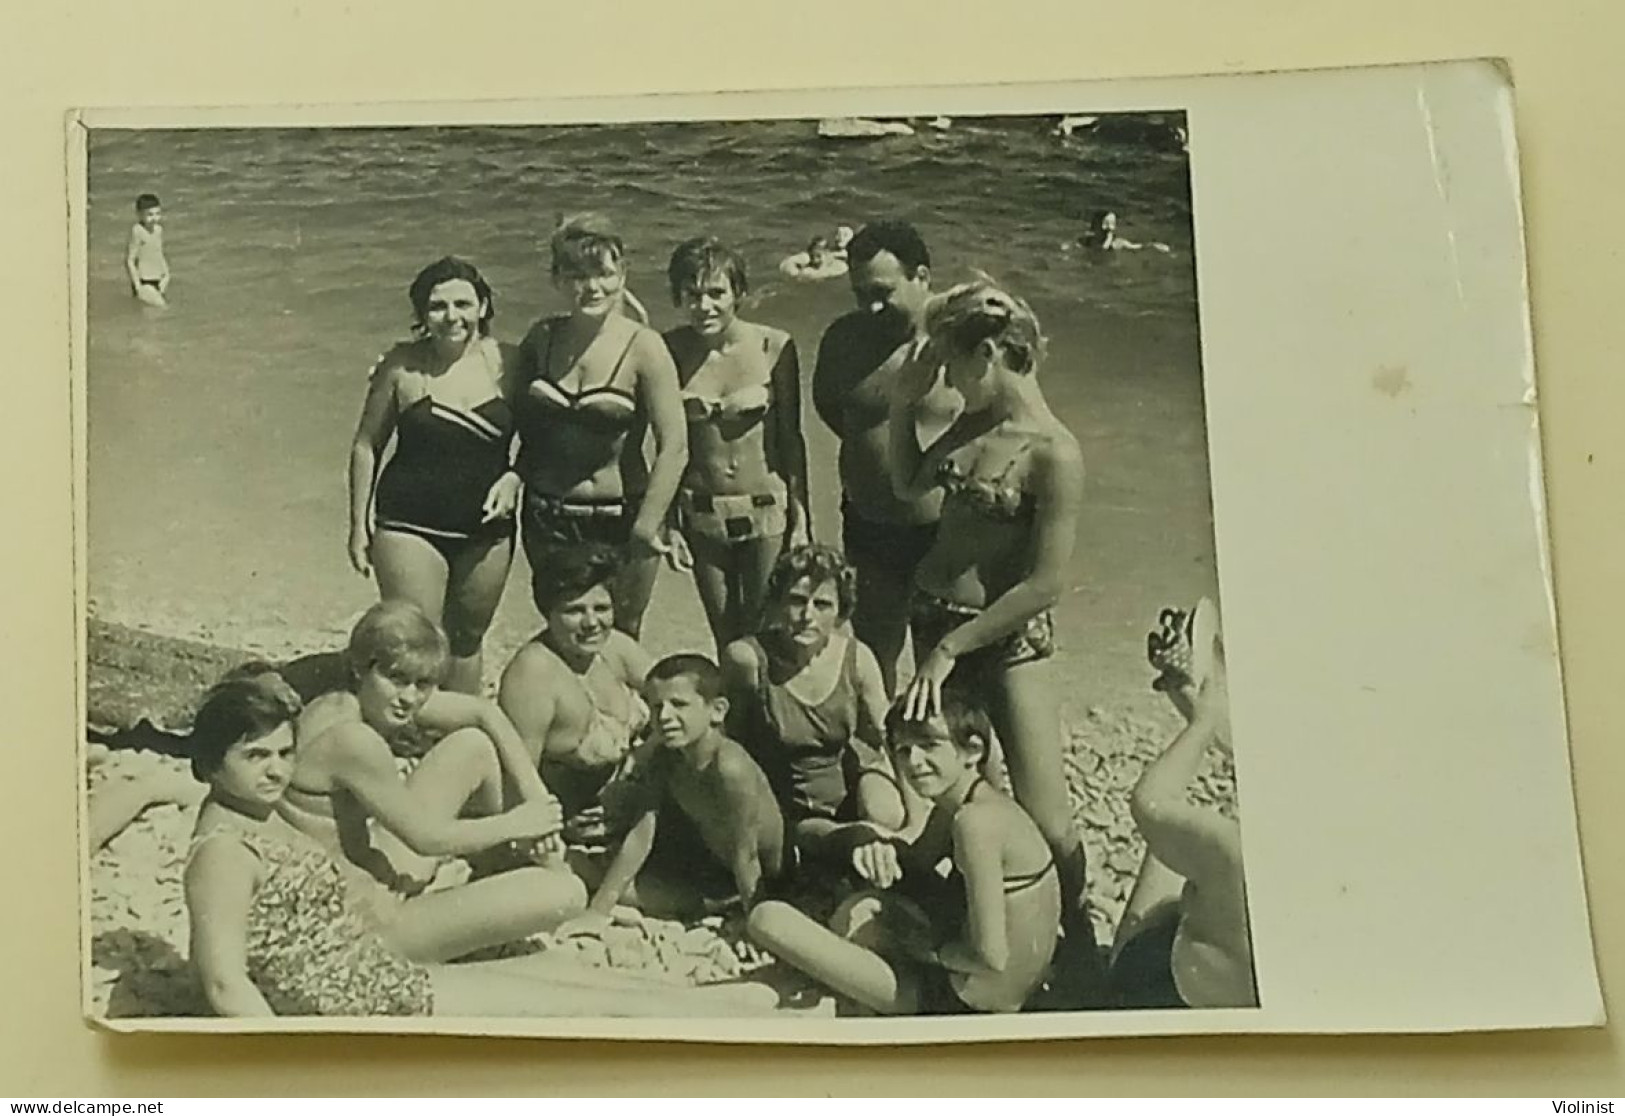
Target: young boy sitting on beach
979, 938
144, 261
707, 783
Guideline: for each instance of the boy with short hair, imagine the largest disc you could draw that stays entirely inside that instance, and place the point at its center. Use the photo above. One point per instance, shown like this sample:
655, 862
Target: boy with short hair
144, 260
713, 783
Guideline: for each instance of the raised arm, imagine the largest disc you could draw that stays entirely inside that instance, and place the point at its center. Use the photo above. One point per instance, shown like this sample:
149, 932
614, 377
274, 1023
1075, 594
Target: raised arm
447, 712
978, 844
378, 414
786, 444
366, 769
663, 401
911, 465
220, 882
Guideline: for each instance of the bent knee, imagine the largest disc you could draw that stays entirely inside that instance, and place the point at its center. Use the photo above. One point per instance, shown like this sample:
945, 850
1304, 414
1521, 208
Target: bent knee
558, 889
464, 635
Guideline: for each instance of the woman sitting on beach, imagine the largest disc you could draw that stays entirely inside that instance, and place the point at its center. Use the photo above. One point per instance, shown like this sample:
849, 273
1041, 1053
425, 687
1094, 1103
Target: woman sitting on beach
588, 387
744, 492
574, 695
436, 539
979, 940
1184, 939
806, 699
1102, 236
1012, 480
474, 789
275, 927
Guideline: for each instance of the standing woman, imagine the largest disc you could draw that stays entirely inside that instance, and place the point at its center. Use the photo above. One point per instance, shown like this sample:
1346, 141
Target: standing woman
435, 538
1012, 480
589, 386
744, 493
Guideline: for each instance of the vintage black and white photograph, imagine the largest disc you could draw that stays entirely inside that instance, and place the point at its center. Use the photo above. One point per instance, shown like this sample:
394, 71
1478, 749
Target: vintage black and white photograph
668, 569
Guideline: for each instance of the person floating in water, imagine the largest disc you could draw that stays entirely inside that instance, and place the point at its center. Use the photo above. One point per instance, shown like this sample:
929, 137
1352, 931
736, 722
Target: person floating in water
144, 259
818, 261
1102, 236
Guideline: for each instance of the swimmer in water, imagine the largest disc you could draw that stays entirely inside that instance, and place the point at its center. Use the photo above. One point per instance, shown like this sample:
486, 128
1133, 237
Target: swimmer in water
144, 260
1102, 236
817, 262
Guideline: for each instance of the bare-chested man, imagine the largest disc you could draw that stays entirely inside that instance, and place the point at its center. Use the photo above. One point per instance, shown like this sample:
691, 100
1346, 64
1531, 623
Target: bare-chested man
860, 354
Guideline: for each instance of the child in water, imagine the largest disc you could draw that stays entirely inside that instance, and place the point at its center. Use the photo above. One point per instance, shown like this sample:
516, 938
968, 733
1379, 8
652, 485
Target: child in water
1102, 236
715, 787
144, 261
979, 940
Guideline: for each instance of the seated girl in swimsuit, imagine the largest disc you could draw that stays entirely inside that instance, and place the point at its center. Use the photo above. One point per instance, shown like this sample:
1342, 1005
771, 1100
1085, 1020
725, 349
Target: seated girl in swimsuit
1011, 475
588, 387
574, 695
817, 262
473, 790
744, 492
276, 928
806, 699
435, 538
978, 940
1184, 940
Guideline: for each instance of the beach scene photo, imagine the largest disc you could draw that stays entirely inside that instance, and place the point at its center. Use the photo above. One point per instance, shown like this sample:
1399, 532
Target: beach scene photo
675, 569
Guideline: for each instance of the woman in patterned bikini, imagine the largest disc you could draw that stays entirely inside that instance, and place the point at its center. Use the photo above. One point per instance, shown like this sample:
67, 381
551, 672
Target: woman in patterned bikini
276, 930
588, 387
744, 494
1011, 474
435, 538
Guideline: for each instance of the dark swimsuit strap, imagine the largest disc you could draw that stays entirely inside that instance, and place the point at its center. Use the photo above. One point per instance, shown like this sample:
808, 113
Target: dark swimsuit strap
607, 385
1021, 881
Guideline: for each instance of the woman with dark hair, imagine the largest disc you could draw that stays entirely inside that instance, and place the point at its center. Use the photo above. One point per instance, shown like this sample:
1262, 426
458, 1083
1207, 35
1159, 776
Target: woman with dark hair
574, 692
744, 493
276, 928
1011, 478
806, 699
426, 525
589, 387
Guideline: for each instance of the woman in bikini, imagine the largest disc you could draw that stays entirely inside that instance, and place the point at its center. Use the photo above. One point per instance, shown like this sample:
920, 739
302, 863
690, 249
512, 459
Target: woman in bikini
978, 940
574, 695
425, 526
588, 387
276, 928
1011, 475
806, 699
744, 493
473, 790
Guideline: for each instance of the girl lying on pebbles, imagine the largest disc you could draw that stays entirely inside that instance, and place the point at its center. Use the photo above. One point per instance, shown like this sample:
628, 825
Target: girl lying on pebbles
347, 793
276, 929
979, 940
1184, 939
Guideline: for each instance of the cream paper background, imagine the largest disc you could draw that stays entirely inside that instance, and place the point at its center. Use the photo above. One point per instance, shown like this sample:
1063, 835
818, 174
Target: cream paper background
1477, 905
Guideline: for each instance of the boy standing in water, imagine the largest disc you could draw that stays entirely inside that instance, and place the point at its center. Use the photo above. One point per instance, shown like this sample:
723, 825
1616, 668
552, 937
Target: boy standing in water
884, 537
717, 788
144, 261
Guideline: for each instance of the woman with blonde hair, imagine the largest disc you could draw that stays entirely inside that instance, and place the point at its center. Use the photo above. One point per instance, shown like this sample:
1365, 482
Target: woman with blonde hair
1011, 476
